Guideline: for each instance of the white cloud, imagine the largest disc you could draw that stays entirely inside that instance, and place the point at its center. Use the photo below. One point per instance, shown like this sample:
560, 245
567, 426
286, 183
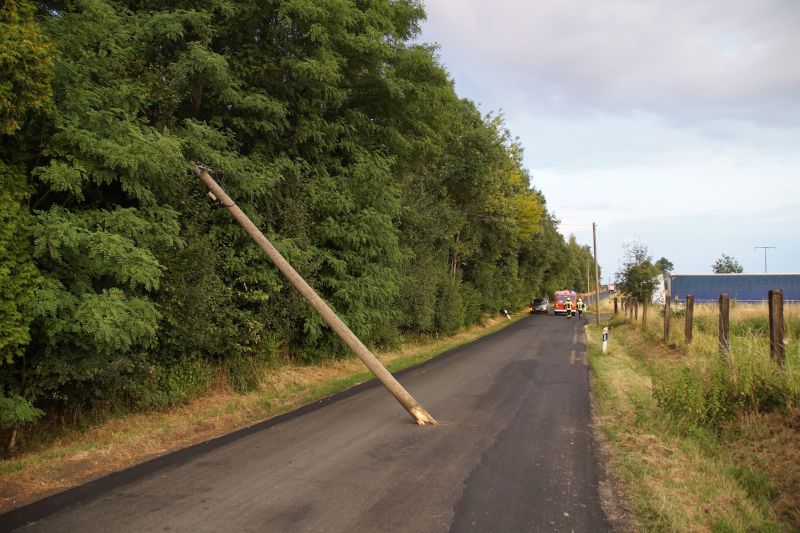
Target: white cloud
686, 60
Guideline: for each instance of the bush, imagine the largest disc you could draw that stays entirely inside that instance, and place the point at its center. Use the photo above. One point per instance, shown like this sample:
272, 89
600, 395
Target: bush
449, 308
243, 373
471, 300
16, 410
163, 386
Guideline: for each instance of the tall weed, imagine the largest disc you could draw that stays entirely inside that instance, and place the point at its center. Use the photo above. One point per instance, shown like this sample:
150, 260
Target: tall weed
702, 389
164, 386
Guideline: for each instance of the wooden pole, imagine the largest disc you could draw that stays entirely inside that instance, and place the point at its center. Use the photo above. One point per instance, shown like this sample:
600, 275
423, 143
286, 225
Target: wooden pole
645, 305
667, 316
776, 347
689, 318
616, 306
588, 290
724, 325
596, 274
384, 376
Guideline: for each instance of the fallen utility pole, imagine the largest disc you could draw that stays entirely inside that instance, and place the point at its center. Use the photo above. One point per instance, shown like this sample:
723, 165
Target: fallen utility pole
384, 376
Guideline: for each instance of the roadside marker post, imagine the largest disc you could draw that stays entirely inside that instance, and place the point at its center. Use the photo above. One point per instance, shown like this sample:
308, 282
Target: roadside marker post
605, 339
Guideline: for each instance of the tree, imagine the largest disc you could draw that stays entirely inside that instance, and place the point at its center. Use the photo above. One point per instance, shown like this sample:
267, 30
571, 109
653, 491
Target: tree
638, 277
727, 265
665, 266
26, 63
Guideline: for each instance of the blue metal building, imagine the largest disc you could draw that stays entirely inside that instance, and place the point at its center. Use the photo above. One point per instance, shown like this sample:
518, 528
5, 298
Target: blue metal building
741, 287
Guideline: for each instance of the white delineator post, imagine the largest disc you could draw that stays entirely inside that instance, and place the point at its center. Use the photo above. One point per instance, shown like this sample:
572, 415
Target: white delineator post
605, 339
419, 414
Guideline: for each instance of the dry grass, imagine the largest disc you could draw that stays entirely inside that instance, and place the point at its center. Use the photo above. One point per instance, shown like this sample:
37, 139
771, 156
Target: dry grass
124, 441
768, 445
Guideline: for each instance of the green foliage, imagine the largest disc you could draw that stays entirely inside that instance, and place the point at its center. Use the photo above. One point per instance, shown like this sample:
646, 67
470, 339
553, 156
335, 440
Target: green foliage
450, 312
400, 203
19, 275
638, 276
244, 373
695, 396
16, 410
726, 265
159, 386
26, 63
665, 266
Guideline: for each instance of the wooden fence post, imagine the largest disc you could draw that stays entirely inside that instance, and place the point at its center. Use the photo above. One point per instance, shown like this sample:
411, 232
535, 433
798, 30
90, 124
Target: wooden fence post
372, 363
724, 325
615, 306
689, 318
776, 347
667, 316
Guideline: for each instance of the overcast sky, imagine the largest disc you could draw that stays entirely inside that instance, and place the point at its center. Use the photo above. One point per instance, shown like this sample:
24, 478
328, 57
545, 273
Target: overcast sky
675, 122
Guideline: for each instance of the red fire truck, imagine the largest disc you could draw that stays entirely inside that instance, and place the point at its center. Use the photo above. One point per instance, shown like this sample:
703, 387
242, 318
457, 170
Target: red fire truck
559, 297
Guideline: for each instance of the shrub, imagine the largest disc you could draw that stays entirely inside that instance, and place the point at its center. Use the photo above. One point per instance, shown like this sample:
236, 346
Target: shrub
14, 412
163, 386
449, 308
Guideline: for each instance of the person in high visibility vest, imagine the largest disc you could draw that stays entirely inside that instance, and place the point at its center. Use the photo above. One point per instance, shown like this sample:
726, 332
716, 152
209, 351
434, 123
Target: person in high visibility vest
579, 307
568, 307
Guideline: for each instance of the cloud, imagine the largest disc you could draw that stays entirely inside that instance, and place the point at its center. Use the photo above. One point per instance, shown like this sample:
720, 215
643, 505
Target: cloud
683, 60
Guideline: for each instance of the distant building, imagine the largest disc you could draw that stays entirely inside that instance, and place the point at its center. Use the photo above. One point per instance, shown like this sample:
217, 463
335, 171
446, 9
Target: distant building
741, 287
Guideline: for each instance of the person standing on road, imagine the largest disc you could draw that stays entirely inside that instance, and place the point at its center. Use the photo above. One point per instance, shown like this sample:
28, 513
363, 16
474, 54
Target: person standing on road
568, 307
579, 307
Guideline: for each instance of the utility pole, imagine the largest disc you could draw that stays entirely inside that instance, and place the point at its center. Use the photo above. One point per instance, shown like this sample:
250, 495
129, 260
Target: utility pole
596, 272
384, 376
765, 248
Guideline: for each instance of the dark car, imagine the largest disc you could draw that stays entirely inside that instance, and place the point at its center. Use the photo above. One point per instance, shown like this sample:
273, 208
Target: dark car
539, 305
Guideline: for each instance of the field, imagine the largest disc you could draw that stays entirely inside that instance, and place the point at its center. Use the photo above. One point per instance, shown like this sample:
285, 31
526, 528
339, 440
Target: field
700, 442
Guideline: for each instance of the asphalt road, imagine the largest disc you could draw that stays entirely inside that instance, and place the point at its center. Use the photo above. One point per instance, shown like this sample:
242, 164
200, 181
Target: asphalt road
513, 451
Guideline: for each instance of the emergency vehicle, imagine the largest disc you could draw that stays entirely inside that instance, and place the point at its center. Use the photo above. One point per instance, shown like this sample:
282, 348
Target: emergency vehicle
559, 297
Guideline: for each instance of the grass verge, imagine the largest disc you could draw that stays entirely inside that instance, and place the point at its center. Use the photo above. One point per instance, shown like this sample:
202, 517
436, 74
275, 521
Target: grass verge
127, 440
740, 475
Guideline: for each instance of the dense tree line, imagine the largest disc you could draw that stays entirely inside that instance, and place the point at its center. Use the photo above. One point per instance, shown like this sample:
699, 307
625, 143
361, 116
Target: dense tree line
338, 134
